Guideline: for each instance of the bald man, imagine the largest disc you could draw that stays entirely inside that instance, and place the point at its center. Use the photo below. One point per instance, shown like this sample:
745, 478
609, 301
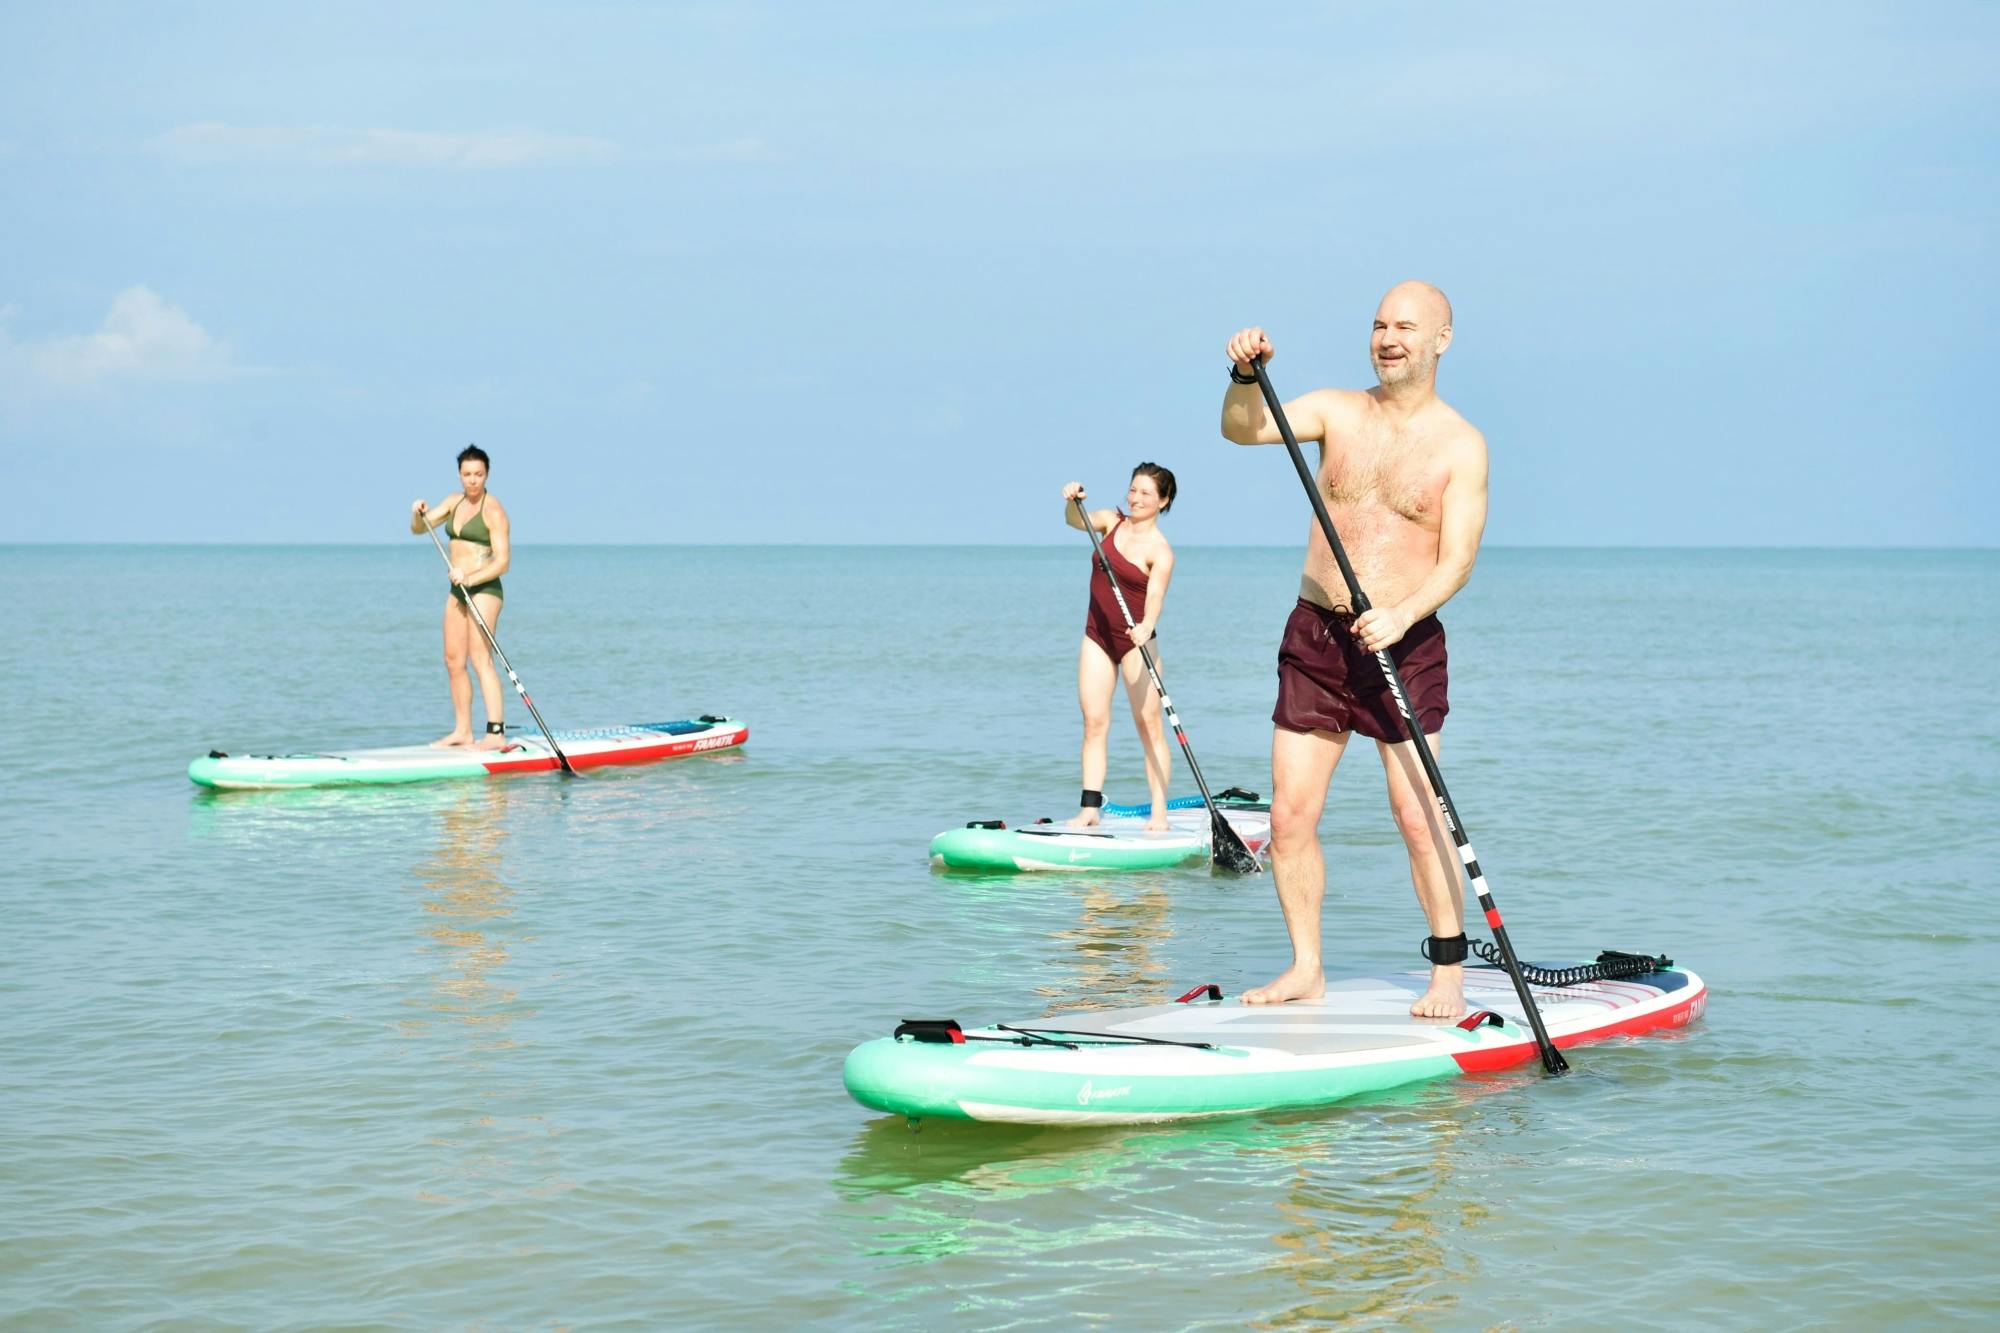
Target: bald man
1404, 478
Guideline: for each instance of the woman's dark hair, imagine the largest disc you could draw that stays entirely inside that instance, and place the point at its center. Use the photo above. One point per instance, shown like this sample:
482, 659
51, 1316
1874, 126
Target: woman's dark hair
1163, 482
472, 453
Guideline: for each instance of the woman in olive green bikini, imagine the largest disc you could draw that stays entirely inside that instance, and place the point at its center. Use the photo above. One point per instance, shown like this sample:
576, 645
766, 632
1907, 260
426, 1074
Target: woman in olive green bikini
477, 526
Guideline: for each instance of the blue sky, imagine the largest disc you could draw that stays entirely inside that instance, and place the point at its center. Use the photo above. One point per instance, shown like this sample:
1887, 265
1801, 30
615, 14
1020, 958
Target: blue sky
1724, 274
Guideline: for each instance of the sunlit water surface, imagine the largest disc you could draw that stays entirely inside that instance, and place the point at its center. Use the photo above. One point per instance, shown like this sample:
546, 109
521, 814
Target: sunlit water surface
547, 1052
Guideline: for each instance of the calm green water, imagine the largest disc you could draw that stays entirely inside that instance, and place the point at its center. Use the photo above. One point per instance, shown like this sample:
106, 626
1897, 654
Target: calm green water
566, 1053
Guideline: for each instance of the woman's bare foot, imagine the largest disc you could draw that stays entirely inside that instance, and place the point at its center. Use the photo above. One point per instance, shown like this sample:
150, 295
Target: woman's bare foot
1294, 983
454, 738
1158, 823
492, 740
1084, 818
1446, 997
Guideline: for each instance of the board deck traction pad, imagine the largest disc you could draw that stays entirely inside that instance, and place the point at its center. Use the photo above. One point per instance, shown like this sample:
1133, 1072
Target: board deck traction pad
1200, 1057
527, 751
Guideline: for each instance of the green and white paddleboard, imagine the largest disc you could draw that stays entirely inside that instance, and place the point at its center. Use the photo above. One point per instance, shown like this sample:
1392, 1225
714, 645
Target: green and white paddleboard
1120, 842
1206, 1056
526, 752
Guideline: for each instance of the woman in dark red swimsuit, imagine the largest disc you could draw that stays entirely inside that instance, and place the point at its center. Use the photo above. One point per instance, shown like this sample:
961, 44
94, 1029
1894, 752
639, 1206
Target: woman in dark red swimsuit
1138, 551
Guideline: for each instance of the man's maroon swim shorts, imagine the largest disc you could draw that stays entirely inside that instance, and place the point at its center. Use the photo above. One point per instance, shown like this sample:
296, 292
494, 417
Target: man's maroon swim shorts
1329, 682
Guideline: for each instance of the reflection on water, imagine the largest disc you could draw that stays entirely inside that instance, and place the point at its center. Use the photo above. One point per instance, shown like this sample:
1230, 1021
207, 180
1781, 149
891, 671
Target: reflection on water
1359, 1232
1106, 960
467, 903
956, 1158
467, 1019
1361, 1211
260, 820
636, 801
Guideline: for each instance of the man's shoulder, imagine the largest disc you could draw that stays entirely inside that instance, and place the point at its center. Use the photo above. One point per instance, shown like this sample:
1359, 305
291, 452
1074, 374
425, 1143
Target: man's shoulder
1455, 432
1340, 407
1352, 400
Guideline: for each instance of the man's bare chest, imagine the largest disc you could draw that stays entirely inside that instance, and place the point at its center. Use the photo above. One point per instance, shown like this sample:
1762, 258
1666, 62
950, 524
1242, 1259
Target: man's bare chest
1386, 474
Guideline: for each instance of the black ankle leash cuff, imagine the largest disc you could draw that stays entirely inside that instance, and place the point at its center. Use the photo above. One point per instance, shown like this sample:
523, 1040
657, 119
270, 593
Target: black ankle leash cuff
1445, 950
1092, 800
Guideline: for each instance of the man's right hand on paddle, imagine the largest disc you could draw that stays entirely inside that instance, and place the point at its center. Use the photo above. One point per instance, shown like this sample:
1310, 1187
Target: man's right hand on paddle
1248, 345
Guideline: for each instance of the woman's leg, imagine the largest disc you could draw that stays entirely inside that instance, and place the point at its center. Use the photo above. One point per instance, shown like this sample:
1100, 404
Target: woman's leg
1152, 732
481, 657
456, 626
1096, 678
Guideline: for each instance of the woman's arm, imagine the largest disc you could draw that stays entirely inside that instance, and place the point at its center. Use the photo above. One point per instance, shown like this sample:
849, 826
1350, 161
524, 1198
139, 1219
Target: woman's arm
497, 527
1101, 519
1157, 579
422, 516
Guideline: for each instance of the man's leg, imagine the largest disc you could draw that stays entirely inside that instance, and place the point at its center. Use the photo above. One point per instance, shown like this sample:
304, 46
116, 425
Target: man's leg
1302, 764
1434, 868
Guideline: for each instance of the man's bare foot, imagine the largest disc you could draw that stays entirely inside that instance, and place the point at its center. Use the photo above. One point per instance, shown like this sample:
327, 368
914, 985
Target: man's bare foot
1082, 819
1446, 997
492, 740
454, 738
1294, 983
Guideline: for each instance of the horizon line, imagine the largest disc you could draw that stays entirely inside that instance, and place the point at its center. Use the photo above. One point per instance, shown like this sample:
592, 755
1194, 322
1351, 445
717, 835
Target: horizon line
385, 544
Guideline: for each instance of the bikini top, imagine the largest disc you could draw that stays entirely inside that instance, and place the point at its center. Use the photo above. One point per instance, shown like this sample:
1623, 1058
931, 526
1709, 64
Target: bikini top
474, 531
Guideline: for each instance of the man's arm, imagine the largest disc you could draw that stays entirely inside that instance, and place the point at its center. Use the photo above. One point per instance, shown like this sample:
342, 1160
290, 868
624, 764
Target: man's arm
1245, 419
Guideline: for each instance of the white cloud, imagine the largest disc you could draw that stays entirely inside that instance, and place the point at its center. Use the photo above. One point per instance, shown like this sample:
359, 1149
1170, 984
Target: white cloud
143, 337
214, 144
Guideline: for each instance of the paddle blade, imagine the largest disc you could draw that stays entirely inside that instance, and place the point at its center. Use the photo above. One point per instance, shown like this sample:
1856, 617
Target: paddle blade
1228, 851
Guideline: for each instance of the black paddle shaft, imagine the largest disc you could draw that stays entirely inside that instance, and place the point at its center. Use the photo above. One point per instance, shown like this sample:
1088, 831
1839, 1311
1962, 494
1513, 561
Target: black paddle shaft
1552, 1059
494, 644
1225, 843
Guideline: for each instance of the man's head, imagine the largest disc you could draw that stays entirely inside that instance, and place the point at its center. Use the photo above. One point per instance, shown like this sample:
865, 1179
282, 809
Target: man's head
1412, 329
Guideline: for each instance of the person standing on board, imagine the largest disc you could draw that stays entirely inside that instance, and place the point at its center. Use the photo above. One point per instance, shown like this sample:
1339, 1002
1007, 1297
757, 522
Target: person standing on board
480, 550
1138, 550
1404, 479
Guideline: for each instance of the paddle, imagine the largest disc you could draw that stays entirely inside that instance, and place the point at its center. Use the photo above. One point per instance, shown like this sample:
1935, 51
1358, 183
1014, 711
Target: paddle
1552, 1059
494, 644
1225, 843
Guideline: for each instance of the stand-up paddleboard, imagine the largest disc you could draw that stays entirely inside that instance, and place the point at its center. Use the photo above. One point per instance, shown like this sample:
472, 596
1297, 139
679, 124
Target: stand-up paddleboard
526, 752
1120, 842
1206, 1056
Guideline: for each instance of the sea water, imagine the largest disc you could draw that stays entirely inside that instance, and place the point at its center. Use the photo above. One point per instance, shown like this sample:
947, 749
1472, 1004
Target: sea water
546, 1052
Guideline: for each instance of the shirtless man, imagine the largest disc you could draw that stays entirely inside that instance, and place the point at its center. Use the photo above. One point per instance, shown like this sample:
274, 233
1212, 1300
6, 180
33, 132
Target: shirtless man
1404, 478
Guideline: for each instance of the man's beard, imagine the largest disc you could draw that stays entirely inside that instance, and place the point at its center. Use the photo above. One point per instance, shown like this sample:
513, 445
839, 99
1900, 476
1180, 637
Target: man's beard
1409, 370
